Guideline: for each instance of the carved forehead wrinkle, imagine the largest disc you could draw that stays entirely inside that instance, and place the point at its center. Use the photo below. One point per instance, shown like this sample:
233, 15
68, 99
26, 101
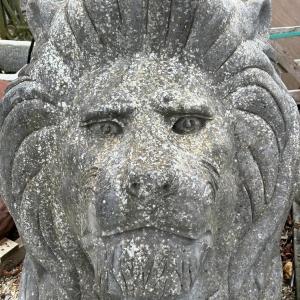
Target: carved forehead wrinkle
154, 73
145, 82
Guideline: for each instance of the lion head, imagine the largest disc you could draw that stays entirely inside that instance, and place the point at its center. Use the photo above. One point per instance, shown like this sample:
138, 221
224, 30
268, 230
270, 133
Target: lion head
149, 151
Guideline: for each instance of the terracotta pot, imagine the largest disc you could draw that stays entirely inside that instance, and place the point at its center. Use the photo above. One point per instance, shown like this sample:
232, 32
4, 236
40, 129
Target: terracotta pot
6, 221
3, 86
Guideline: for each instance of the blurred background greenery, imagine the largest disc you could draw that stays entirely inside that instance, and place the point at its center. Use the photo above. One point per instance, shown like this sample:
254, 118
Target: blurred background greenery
13, 25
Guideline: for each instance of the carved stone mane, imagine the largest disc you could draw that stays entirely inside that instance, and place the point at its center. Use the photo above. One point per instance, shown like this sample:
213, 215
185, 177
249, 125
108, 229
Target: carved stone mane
181, 189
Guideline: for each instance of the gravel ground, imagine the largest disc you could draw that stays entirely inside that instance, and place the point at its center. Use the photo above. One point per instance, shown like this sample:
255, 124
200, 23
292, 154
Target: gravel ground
287, 257
9, 284
288, 293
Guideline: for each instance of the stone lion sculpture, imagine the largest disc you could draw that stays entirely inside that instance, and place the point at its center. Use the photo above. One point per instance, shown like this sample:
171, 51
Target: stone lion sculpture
150, 151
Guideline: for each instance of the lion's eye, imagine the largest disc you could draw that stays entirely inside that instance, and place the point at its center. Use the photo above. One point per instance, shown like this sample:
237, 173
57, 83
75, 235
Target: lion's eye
188, 125
105, 128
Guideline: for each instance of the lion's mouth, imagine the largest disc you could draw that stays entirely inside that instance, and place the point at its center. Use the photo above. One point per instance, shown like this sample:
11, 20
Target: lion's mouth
149, 262
167, 232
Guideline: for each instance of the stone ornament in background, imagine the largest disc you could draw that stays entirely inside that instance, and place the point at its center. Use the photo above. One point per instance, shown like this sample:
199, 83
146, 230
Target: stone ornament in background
150, 151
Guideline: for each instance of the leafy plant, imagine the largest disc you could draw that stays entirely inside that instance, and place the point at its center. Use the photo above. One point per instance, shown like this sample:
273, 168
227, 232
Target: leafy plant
13, 24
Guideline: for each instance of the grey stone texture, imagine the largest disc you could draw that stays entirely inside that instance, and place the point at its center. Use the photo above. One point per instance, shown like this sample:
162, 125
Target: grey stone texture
150, 151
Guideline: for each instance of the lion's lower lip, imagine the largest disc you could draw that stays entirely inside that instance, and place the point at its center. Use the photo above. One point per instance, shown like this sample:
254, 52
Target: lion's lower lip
150, 229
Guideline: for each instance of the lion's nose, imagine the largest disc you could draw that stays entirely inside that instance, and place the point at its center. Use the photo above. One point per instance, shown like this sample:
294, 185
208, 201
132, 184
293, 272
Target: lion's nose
150, 183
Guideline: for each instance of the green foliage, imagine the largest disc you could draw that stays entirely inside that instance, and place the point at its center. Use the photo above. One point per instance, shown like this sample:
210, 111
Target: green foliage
12, 21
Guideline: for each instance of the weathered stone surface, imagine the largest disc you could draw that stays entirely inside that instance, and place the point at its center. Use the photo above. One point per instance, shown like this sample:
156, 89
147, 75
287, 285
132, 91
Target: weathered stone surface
150, 151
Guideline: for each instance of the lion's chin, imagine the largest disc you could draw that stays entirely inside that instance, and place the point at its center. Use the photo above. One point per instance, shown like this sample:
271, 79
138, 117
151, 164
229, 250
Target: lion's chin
148, 263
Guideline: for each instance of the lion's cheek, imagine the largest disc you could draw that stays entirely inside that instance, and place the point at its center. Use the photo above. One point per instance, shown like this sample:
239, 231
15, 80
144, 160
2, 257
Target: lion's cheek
215, 143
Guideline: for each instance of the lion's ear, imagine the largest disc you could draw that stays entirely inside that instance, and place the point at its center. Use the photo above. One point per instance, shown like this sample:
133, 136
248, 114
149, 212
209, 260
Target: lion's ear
260, 14
40, 14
